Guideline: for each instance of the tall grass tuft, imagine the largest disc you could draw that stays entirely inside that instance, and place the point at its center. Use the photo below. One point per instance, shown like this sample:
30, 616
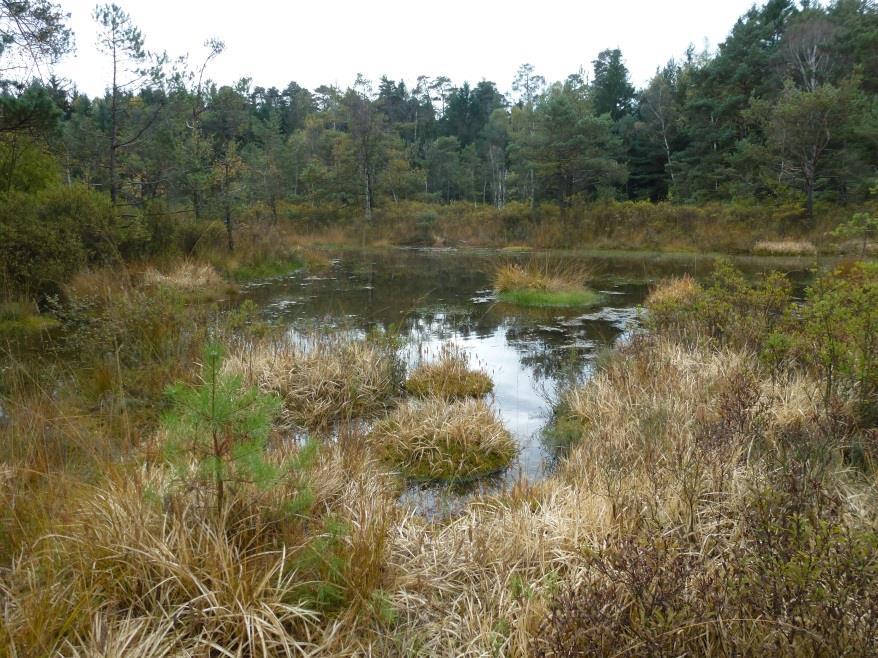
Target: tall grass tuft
141, 562
330, 380
437, 439
540, 276
449, 376
537, 284
190, 278
163, 561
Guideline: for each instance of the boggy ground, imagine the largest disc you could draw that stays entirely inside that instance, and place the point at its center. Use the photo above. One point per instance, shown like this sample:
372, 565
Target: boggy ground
730, 228
717, 499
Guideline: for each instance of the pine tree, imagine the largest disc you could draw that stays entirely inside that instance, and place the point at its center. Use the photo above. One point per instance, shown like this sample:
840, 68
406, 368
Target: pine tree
222, 426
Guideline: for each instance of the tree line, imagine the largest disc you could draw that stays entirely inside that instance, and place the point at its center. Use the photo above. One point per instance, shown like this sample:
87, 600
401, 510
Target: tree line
785, 109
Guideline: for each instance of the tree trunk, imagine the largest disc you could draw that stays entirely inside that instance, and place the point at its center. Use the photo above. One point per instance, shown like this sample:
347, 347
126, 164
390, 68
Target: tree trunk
114, 132
113, 153
368, 207
809, 201
532, 191
228, 222
668, 155
227, 207
809, 171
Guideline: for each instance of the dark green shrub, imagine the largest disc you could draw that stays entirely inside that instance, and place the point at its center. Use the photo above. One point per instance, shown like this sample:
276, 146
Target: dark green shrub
48, 236
36, 256
839, 332
742, 313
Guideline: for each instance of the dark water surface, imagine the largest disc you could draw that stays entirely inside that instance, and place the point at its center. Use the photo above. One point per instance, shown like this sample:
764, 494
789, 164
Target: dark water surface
438, 296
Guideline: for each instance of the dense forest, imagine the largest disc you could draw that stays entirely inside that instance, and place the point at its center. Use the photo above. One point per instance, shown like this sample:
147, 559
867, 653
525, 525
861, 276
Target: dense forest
785, 111
785, 107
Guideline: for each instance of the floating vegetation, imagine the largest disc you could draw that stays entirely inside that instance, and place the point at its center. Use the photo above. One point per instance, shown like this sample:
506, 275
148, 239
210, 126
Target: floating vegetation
544, 286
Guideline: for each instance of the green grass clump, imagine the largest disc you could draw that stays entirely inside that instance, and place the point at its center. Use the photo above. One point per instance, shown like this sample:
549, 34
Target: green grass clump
265, 269
23, 319
449, 377
544, 285
436, 439
546, 298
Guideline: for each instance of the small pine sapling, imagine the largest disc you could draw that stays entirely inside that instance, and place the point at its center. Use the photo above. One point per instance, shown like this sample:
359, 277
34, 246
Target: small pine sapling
222, 426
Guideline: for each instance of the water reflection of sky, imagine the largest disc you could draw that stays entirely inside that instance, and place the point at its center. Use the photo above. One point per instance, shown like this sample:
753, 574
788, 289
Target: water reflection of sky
436, 297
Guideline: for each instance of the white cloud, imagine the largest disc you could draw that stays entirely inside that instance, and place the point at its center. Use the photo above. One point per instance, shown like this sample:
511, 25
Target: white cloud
314, 43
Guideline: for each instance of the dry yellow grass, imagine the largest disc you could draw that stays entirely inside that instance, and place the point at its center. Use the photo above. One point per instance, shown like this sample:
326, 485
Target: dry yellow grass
784, 248
667, 428
187, 276
332, 235
676, 290
642, 459
672, 438
544, 277
333, 379
449, 376
100, 283
139, 567
437, 439
123, 551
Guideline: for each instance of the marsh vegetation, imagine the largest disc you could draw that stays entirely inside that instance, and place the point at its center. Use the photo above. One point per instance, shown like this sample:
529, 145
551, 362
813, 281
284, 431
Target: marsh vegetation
544, 285
297, 373
449, 375
716, 487
438, 439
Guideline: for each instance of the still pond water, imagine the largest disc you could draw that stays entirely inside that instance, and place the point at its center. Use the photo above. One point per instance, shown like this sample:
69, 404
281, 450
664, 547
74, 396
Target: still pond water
434, 297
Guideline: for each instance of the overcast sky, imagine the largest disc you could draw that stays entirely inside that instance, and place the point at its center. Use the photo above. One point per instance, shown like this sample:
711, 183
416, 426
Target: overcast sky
328, 42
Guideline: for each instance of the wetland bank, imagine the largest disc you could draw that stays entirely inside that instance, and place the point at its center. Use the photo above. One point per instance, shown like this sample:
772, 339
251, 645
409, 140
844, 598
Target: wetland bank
406, 461
433, 299
525, 367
